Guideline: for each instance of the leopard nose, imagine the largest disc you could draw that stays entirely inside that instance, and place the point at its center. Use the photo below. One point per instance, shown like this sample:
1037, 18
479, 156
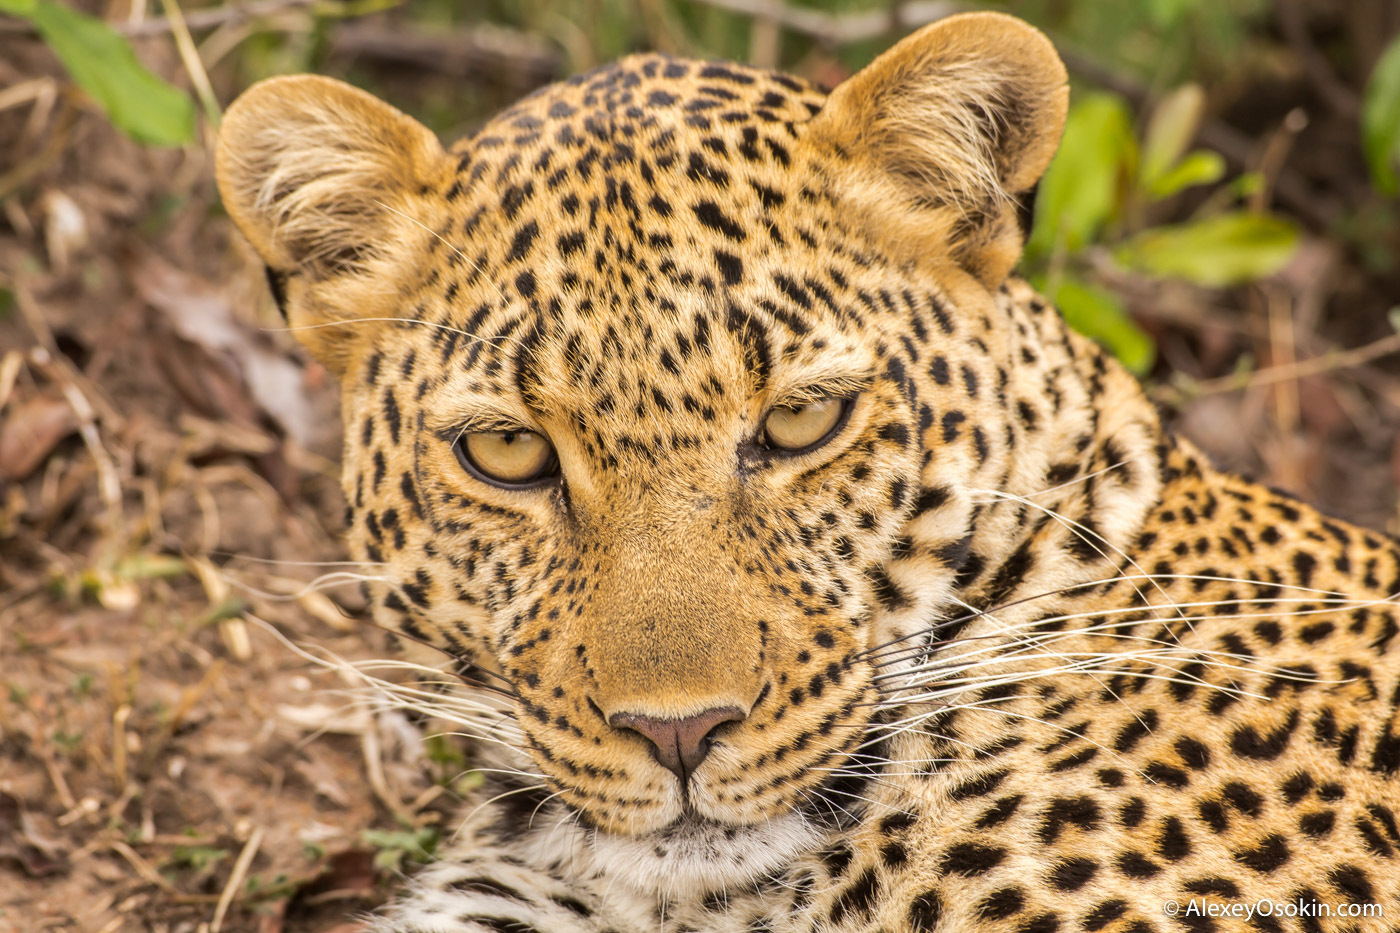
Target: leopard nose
681, 744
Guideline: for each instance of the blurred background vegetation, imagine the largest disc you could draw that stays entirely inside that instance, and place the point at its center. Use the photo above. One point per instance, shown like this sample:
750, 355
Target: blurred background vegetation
1222, 215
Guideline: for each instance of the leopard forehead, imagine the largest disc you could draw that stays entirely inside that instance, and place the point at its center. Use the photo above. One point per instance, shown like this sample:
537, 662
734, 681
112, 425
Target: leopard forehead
638, 242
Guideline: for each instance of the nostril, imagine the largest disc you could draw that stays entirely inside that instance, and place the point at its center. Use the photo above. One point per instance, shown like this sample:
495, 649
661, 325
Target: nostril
680, 744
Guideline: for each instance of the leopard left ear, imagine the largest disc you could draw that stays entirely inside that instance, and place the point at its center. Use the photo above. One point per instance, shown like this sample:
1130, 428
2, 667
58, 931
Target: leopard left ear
948, 127
324, 180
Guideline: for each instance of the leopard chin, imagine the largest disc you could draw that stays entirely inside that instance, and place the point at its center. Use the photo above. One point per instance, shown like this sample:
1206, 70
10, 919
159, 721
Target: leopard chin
695, 856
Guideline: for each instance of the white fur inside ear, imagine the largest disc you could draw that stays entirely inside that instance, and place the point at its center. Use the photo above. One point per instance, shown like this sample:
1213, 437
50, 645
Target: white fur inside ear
307, 166
945, 129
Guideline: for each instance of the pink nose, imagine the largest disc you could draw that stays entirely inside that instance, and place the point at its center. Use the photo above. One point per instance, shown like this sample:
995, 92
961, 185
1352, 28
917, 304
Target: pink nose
681, 744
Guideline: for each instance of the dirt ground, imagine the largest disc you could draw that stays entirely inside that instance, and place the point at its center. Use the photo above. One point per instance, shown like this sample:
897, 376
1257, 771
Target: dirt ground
176, 751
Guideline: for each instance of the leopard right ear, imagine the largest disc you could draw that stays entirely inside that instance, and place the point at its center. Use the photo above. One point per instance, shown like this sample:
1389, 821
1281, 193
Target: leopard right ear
323, 179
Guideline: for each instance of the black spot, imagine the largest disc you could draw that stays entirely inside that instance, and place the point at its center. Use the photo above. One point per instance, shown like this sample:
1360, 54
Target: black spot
1002, 903
1173, 844
1247, 743
1193, 754
1353, 883
857, 898
925, 911
1134, 731
1081, 811
1104, 914
570, 243
1040, 923
837, 858
709, 214
1137, 865
896, 433
731, 268
524, 238
1073, 873
1269, 854
978, 786
1221, 887
1318, 824
1243, 798
999, 812
971, 858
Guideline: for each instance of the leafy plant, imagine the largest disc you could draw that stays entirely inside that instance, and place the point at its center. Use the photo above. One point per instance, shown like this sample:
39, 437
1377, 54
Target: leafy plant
1380, 121
196, 857
102, 63
1093, 203
394, 846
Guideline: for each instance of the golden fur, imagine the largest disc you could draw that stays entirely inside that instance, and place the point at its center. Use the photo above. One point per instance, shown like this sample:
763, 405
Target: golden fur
1002, 654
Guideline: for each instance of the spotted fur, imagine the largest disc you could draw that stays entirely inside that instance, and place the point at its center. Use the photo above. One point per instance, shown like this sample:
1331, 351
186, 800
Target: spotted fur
1008, 655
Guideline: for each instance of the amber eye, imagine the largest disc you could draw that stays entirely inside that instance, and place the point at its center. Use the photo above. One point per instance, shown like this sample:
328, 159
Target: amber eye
507, 458
805, 425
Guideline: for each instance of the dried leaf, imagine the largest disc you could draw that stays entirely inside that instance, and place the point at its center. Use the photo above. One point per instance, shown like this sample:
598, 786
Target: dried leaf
29, 434
202, 315
22, 844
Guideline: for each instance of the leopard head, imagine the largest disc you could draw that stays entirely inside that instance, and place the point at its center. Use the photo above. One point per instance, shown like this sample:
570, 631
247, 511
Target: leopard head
666, 394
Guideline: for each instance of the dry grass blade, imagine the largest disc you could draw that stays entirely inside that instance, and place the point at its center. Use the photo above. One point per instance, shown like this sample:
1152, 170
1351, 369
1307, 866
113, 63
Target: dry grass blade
235, 879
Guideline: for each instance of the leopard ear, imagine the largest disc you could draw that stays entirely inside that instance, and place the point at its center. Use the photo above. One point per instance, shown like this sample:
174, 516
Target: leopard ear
949, 126
322, 179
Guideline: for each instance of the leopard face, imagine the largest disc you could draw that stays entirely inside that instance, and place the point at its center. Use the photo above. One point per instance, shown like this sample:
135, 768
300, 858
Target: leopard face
681, 395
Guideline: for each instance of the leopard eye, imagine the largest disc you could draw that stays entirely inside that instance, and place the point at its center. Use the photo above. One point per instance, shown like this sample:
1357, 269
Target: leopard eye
803, 426
507, 458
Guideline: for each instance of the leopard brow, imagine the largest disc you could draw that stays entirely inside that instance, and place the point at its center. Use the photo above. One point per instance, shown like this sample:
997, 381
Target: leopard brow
483, 421
795, 392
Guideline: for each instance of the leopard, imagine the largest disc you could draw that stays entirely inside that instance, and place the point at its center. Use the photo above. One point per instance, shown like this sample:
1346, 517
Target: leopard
794, 566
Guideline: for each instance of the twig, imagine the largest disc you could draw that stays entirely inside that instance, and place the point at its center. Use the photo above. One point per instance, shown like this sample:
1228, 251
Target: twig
119, 719
60, 785
482, 51
143, 867
839, 29
235, 879
109, 485
196, 21
184, 42
1293, 23
1328, 362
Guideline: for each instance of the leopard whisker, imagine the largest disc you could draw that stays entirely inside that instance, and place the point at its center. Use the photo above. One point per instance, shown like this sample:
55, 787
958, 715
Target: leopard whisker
350, 322
475, 266
276, 562
1117, 578
1085, 534
499, 797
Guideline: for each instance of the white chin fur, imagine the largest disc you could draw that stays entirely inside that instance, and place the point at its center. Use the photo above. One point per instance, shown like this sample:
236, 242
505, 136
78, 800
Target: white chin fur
694, 859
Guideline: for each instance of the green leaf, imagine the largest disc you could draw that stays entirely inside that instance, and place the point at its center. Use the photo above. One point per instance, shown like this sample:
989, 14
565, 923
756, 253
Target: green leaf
18, 7
1380, 120
1100, 316
146, 566
102, 63
1082, 188
1167, 13
1170, 130
1223, 250
1201, 167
